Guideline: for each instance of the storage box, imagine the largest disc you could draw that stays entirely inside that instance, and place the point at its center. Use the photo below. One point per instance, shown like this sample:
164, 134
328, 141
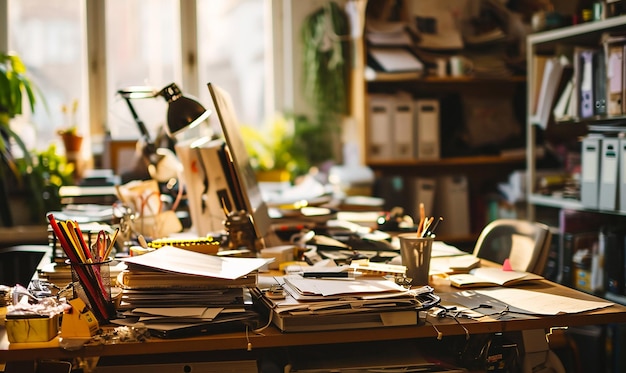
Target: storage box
281, 254
32, 329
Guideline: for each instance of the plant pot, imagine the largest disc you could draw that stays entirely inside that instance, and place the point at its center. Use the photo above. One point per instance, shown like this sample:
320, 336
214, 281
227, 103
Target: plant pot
273, 176
72, 143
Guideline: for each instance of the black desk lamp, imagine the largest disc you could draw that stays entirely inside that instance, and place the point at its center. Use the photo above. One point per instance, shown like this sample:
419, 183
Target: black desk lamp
183, 112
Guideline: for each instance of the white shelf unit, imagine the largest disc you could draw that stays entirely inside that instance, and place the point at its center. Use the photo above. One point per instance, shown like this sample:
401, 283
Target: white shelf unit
585, 33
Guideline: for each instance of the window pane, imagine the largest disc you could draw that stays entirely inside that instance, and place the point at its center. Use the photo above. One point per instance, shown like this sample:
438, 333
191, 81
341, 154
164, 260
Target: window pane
143, 48
232, 52
50, 38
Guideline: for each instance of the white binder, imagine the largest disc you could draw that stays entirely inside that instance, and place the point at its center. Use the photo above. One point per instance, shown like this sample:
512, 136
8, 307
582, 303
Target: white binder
379, 134
453, 205
427, 122
403, 128
609, 175
425, 191
590, 171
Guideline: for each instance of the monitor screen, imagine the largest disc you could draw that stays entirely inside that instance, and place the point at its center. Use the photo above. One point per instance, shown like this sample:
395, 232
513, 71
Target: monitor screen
247, 192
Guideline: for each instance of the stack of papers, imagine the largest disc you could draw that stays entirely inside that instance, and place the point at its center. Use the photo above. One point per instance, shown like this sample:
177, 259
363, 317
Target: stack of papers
176, 292
332, 304
384, 33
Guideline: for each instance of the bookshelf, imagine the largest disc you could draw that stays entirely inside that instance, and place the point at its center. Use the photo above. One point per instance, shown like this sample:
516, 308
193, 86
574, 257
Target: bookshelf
549, 42
483, 168
571, 212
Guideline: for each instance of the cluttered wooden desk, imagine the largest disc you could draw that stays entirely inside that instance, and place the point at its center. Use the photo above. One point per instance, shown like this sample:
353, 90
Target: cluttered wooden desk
20, 357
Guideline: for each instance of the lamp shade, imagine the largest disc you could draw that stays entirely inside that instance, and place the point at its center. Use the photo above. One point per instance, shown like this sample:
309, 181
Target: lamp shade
183, 112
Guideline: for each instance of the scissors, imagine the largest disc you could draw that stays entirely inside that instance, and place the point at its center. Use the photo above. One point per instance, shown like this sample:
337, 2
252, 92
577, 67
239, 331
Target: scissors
100, 245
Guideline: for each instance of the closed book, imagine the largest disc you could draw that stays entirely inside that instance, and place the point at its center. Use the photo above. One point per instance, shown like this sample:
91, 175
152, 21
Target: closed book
599, 83
539, 64
553, 72
615, 71
614, 261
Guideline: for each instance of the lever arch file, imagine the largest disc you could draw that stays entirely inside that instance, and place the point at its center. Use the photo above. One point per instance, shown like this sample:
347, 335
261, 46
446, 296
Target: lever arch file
427, 121
609, 174
590, 172
403, 128
379, 144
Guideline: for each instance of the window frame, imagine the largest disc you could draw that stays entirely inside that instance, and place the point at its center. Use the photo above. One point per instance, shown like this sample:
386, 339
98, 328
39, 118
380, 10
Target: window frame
281, 97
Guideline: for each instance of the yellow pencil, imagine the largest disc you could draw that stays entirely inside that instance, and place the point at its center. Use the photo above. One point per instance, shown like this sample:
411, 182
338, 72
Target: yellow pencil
110, 247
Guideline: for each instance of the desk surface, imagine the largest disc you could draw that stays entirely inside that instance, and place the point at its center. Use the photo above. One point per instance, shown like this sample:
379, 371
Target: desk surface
273, 338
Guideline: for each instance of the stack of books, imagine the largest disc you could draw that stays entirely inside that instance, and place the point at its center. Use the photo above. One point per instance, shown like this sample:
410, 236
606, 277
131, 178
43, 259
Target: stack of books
176, 293
313, 304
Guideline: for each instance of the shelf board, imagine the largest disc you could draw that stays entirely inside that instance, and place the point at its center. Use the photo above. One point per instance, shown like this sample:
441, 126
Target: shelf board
450, 161
559, 202
576, 31
419, 78
566, 203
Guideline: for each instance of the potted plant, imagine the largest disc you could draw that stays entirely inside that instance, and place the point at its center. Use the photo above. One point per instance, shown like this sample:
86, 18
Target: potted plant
273, 150
286, 147
17, 173
72, 140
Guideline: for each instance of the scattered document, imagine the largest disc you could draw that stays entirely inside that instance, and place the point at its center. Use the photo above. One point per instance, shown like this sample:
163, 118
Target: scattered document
539, 303
326, 288
173, 259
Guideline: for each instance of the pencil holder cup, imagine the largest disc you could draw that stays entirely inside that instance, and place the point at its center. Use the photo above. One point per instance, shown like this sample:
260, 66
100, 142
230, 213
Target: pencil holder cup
415, 252
91, 282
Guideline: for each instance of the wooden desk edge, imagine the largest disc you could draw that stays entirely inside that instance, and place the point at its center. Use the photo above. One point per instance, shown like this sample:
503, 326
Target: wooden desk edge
271, 337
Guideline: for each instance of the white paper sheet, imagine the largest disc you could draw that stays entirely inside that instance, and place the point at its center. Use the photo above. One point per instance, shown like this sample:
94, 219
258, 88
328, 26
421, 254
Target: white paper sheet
541, 303
173, 259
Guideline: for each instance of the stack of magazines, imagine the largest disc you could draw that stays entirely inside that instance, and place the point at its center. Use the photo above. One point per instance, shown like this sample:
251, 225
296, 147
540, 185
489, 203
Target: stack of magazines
296, 303
178, 293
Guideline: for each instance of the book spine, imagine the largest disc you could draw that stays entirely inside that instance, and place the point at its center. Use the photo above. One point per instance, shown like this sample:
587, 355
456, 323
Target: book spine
566, 259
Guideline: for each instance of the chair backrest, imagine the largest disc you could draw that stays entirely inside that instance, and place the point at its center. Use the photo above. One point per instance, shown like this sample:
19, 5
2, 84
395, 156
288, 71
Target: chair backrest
524, 243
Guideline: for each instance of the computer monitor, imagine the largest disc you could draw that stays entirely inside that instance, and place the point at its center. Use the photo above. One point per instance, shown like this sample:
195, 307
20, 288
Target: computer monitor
246, 190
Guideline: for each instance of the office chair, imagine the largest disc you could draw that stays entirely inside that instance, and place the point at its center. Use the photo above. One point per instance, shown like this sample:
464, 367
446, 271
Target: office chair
524, 243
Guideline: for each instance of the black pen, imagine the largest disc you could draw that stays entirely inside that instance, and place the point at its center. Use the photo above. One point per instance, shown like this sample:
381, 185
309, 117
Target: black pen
325, 274
431, 232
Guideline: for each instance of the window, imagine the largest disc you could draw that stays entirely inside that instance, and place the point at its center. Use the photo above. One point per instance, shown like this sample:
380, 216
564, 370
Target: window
143, 47
232, 53
50, 38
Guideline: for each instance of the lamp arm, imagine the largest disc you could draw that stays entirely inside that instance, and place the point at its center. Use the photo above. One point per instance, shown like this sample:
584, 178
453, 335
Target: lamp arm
140, 123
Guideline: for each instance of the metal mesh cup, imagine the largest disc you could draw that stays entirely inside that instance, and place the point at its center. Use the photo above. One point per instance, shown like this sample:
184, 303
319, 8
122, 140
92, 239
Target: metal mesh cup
415, 252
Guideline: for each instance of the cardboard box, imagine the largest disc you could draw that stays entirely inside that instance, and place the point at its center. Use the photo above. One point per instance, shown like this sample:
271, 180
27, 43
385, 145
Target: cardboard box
32, 329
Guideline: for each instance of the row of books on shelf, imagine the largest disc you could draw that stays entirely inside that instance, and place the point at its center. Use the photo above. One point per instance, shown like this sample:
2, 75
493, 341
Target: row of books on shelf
588, 253
582, 83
